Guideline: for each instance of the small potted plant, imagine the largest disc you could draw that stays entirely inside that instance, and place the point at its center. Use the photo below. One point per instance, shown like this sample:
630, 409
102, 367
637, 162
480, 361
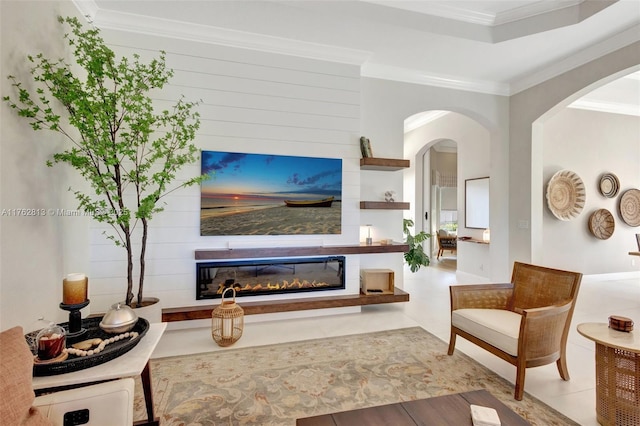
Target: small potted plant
415, 256
126, 151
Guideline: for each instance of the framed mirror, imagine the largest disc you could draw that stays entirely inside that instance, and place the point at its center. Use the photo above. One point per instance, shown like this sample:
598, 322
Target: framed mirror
476, 199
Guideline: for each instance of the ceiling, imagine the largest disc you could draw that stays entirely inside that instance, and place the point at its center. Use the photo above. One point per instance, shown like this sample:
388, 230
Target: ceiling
490, 46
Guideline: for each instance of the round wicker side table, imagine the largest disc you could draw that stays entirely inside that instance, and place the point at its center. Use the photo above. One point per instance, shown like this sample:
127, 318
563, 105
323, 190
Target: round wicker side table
617, 374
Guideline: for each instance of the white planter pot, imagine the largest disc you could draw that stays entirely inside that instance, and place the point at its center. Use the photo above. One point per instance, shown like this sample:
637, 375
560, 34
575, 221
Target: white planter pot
151, 309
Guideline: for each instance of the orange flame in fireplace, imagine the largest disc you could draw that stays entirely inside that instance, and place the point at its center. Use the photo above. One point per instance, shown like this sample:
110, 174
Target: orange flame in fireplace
259, 288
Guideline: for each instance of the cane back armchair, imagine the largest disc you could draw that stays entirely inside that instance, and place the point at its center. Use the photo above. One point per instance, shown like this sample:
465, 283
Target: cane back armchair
525, 322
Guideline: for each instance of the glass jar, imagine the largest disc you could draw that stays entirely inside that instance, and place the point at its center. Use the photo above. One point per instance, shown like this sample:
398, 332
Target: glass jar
50, 342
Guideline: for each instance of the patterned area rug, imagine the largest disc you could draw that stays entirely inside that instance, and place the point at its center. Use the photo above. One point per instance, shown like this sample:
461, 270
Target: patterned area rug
274, 385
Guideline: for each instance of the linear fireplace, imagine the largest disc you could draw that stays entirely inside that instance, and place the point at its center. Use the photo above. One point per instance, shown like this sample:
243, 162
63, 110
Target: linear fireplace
269, 276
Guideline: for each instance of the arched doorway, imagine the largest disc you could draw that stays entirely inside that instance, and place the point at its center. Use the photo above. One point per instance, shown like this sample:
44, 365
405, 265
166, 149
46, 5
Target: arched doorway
445, 151
589, 140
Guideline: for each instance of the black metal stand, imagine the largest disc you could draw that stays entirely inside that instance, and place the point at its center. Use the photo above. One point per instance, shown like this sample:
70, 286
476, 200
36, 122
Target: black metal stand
75, 319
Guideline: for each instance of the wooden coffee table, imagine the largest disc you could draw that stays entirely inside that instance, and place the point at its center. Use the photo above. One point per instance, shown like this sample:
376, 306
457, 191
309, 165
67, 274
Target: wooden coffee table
441, 410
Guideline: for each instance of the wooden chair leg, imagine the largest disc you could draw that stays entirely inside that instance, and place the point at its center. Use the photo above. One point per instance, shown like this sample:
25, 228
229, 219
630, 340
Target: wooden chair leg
562, 367
452, 343
519, 391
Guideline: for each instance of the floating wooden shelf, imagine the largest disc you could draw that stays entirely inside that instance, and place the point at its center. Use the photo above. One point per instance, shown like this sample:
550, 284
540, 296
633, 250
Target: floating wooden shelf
249, 253
383, 205
287, 305
473, 240
388, 164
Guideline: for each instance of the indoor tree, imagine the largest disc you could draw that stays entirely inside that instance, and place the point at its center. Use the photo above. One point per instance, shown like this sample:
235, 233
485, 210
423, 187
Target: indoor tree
125, 150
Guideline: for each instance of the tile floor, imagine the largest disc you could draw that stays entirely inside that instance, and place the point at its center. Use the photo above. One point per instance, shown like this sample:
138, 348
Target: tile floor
429, 308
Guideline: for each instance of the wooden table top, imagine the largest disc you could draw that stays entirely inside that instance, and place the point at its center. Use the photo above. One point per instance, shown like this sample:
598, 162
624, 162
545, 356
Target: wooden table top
601, 333
441, 410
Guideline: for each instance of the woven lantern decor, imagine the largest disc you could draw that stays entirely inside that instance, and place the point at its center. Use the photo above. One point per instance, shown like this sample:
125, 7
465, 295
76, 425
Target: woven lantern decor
227, 321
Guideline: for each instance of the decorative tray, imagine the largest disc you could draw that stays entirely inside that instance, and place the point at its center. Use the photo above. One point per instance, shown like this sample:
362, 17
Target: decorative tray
74, 362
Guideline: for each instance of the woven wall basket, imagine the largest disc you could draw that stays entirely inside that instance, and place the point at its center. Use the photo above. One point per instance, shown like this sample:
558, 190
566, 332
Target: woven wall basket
602, 224
565, 195
609, 185
227, 321
630, 207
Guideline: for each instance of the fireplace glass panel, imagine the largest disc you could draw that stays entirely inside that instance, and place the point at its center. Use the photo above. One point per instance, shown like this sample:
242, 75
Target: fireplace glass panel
269, 276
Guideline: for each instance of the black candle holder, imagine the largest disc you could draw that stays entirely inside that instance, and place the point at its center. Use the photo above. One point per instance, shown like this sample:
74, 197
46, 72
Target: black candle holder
75, 318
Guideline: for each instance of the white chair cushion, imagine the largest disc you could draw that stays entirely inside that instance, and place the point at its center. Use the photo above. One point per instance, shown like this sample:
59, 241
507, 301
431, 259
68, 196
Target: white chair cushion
498, 327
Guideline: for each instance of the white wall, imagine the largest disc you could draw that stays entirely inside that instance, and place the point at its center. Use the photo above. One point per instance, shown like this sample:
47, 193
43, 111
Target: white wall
32, 243
591, 143
526, 192
473, 161
251, 102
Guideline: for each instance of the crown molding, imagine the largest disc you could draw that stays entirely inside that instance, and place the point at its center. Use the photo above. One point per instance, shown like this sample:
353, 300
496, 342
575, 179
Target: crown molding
618, 41
104, 18
406, 75
160, 27
533, 9
610, 107
443, 9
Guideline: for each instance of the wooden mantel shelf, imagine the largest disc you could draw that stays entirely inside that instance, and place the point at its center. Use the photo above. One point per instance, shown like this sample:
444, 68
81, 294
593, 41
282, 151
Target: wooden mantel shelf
383, 205
249, 253
287, 305
388, 164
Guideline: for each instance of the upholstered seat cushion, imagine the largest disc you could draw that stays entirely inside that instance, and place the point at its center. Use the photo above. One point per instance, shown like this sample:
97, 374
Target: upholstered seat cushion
497, 327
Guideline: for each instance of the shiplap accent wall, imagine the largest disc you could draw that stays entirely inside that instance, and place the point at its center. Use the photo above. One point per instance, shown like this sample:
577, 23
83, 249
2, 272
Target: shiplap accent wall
252, 102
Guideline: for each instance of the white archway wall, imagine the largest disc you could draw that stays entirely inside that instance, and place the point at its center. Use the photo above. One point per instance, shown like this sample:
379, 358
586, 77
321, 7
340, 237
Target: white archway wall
420, 186
526, 194
473, 161
590, 143
419, 176
385, 105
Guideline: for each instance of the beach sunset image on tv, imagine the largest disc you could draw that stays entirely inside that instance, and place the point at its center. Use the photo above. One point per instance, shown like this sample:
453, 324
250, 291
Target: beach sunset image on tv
259, 194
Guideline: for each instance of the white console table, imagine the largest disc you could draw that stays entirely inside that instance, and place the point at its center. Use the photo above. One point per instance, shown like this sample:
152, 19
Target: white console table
131, 364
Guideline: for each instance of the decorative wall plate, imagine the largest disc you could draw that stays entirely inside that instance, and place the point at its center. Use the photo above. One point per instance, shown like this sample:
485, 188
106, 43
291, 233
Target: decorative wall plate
565, 195
609, 185
630, 207
602, 224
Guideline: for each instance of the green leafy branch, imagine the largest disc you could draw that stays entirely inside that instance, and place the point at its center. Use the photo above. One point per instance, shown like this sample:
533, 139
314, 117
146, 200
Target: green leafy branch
415, 256
128, 153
